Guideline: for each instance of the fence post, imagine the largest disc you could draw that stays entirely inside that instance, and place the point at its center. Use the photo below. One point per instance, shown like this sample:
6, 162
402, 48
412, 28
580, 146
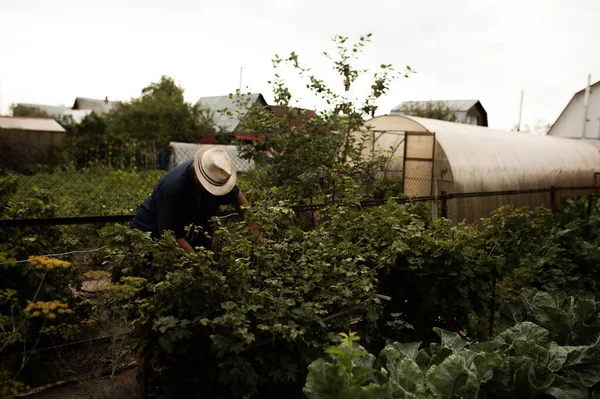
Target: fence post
450, 311
143, 365
553, 206
493, 304
444, 204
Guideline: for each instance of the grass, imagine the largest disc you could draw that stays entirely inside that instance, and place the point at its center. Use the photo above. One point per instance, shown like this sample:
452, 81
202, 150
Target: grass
92, 192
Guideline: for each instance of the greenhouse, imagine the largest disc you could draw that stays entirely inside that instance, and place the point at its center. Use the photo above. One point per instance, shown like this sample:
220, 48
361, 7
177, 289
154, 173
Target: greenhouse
433, 157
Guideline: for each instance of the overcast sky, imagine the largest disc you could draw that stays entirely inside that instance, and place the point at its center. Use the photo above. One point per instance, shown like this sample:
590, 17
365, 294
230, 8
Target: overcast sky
54, 51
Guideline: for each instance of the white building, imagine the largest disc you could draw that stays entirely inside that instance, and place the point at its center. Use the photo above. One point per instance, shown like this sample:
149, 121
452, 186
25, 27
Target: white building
570, 123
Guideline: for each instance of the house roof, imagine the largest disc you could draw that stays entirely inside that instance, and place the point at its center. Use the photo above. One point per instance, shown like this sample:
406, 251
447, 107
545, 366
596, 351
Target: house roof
52, 110
578, 94
296, 117
99, 107
229, 123
60, 110
458, 105
30, 124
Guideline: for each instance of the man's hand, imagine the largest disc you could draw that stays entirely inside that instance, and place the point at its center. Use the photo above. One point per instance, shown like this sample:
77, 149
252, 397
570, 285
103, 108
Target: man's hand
243, 209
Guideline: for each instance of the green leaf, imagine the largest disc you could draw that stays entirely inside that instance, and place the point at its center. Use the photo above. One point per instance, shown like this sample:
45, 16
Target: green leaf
440, 356
400, 350
525, 331
447, 378
408, 375
481, 371
537, 353
520, 366
321, 380
336, 351
567, 392
540, 377
450, 339
557, 356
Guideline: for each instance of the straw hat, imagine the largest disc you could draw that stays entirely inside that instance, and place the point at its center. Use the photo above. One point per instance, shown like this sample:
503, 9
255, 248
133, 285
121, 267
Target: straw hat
215, 170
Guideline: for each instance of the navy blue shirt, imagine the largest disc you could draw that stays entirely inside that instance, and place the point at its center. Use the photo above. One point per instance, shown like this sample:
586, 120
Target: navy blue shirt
177, 202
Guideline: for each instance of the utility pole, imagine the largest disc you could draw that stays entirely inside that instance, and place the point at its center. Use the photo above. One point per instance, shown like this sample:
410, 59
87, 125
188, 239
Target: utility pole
586, 105
520, 111
241, 79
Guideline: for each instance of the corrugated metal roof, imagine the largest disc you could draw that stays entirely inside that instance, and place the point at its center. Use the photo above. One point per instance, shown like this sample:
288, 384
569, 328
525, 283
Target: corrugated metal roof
458, 105
99, 107
217, 103
52, 110
30, 124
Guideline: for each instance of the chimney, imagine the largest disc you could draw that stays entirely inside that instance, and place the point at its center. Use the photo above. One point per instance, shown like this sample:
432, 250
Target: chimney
106, 99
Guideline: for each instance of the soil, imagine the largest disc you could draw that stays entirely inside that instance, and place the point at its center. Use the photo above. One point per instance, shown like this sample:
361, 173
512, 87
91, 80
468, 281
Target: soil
120, 386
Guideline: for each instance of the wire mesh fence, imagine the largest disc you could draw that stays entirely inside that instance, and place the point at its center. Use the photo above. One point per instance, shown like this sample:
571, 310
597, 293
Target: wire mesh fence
112, 181
92, 341
109, 180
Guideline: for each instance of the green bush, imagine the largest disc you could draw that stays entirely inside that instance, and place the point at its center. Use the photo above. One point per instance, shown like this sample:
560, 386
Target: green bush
37, 300
254, 312
554, 357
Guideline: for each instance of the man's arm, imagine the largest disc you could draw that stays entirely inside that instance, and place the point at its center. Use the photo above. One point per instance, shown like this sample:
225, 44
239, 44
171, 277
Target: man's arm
242, 207
168, 217
182, 242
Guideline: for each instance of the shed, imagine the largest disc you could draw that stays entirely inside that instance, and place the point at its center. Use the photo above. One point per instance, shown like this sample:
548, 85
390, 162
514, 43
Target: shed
182, 152
467, 111
432, 156
28, 139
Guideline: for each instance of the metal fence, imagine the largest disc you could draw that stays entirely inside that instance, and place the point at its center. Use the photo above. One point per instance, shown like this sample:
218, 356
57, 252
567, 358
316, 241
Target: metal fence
97, 181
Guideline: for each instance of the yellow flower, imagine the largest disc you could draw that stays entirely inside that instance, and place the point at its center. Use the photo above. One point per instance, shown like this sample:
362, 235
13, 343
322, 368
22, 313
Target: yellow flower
96, 275
123, 289
8, 292
8, 388
46, 309
10, 337
135, 281
45, 263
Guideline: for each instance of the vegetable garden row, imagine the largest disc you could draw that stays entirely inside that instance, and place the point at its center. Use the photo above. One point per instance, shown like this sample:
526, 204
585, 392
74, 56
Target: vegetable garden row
250, 319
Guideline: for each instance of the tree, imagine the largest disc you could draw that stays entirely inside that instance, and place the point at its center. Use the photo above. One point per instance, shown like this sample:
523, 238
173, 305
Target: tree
317, 158
159, 115
27, 110
430, 109
539, 128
